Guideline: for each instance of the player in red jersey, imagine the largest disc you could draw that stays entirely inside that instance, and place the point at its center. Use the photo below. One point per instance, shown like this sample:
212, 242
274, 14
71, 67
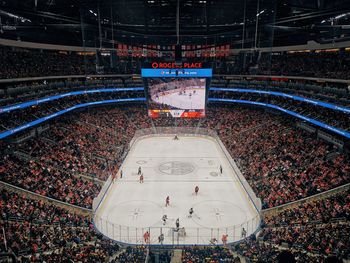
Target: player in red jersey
224, 239
141, 178
146, 237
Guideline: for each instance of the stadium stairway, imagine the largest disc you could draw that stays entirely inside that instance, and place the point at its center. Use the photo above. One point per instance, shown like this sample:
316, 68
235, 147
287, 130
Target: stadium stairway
235, 254
332, 155
177, 256
22, 156
115, 255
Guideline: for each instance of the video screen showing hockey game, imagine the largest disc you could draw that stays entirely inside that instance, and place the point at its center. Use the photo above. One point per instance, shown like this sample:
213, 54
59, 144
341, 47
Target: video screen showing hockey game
177, 97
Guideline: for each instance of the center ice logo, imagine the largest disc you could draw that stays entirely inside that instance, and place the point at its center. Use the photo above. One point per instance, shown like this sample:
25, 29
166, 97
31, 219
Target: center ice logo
176, 168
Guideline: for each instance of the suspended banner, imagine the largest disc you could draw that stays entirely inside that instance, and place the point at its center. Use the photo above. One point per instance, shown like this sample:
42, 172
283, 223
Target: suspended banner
158, 51
310, 120
280, 94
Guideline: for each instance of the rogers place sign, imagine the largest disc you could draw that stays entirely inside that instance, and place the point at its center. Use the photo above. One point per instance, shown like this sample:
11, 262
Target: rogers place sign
173, 65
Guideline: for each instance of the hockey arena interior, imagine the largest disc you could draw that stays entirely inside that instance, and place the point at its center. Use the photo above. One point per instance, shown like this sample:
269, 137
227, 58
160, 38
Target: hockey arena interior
175, 131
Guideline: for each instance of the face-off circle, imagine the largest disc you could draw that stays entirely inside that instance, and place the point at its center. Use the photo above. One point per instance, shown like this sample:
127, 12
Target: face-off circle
176, 168
135, 213
217, 213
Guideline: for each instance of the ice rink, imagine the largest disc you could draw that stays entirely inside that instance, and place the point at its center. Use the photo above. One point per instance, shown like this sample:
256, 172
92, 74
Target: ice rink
194, 102
173, 168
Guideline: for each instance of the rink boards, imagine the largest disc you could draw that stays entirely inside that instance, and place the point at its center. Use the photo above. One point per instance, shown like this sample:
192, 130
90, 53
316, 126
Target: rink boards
174, 168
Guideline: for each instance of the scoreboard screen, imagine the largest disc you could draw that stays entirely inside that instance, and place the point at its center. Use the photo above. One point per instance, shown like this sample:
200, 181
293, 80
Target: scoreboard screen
177, 97
179, 93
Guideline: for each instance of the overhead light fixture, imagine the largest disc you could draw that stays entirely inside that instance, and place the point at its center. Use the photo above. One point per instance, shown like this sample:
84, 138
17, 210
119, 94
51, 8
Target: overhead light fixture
92, 12
260, 13
332, 19
341, 16
21, 18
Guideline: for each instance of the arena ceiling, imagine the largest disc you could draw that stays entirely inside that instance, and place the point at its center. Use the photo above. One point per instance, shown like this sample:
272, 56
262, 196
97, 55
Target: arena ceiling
205, 22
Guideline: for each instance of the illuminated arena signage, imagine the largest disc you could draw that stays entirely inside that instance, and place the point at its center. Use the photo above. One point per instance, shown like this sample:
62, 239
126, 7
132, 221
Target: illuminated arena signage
173, 65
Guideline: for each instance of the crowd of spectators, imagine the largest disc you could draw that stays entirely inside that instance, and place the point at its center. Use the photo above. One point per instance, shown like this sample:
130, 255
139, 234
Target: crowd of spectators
281, 162
19, 117
24, 63
332, 92
323, 239
64, 161
37, 231
14, 92
163, 256
321, 211
49, 181
15, 206
208, 255
310, 64
132, 254
255, 251
313, 230
21, 63
333, 65
338, 119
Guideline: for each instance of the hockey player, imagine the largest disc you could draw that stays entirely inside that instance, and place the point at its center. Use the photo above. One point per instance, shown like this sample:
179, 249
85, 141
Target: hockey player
220, 169
161, 238
196, 189
121, 174
146, 237
224, 239
167, 201
177, 223
190, 212
244, 233
113, 178
213, 241
139, 171
164, 218
141, 179
175, 137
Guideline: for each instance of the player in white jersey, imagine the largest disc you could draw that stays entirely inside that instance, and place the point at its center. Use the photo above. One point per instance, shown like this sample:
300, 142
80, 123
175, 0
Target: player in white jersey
164, 218
190, 212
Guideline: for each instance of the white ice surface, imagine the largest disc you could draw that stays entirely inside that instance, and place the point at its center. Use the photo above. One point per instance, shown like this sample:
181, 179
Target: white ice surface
173, 168
184, 101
